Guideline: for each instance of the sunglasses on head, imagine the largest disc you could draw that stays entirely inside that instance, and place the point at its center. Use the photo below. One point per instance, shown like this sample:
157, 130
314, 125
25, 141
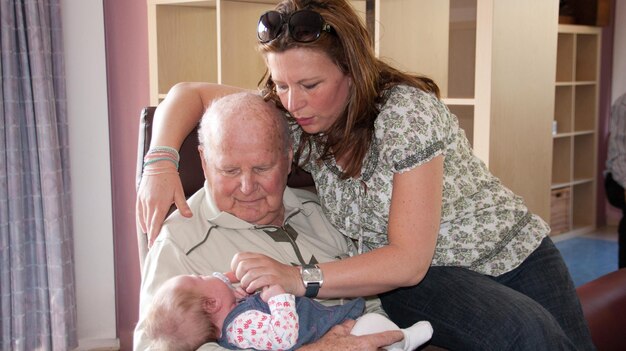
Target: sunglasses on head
304, 26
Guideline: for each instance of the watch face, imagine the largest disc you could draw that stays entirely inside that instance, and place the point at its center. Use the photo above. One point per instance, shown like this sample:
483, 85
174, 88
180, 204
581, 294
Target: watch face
312, 275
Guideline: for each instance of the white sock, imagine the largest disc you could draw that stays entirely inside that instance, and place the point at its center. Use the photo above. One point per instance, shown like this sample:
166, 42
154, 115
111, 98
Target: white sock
416, 335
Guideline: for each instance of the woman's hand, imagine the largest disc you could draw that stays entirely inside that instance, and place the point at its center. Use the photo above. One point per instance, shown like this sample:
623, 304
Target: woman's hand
256, 271
155, 195
338, 338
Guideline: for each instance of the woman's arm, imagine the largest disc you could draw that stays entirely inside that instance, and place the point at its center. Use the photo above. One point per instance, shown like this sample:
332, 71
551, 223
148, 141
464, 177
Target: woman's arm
174, 118
414, 218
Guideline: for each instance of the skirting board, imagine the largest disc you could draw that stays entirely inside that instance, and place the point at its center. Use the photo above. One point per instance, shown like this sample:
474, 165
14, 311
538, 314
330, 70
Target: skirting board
98, 345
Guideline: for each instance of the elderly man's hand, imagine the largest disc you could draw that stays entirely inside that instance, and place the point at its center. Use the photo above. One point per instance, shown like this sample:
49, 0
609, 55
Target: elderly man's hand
339, 339
256, 271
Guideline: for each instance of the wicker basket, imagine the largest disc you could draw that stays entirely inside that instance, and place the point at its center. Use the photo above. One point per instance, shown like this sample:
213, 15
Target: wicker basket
560, 211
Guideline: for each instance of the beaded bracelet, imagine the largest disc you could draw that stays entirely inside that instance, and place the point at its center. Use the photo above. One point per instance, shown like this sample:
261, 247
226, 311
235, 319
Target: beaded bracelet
161, 153
159, 170
157, 159
166, 149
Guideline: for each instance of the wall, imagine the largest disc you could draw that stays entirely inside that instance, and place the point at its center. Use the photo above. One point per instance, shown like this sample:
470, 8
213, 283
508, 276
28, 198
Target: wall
103, 161
90, 171
126, 31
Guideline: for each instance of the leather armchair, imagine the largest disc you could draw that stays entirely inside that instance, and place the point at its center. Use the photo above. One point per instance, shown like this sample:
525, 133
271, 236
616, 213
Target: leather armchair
604, 305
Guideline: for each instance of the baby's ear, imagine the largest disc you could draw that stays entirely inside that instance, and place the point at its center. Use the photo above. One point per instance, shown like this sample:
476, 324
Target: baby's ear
211, 305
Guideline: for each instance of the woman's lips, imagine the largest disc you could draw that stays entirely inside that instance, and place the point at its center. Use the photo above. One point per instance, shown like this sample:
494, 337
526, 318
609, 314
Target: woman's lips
305, 121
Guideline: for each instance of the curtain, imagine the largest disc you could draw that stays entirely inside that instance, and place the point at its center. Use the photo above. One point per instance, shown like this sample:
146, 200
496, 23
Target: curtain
37, 291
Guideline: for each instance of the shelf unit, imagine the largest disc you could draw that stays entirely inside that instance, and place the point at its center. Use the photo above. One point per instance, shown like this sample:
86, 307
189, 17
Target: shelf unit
576, 133
494, 62
188, 41
484, 55
207, 41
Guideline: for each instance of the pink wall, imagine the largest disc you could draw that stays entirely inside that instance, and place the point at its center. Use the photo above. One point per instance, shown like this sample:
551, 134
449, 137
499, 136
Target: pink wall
126, 32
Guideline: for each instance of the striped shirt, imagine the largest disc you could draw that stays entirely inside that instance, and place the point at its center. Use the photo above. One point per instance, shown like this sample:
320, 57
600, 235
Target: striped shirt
616, 157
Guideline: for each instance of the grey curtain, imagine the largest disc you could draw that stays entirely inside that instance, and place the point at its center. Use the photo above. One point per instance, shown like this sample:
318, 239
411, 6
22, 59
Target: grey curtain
37, 292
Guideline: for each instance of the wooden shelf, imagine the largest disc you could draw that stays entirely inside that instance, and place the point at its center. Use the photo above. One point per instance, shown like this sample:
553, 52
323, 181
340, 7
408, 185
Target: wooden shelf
576, 114
208, 41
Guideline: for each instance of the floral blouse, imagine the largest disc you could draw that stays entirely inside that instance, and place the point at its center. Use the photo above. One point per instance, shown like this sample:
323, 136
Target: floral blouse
484, 226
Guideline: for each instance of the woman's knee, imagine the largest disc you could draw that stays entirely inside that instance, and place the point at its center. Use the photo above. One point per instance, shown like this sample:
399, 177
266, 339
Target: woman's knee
540, 327
522, 328
499, 319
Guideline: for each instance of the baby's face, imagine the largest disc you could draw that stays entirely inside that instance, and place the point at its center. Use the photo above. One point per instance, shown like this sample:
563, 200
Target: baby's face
208, 286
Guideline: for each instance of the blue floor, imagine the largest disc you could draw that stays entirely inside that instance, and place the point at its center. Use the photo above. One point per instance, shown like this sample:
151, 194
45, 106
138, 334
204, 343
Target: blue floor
588, 258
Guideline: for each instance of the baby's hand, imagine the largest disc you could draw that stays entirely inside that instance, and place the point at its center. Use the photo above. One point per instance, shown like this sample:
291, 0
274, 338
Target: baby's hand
240, 293
229, 278
271, 291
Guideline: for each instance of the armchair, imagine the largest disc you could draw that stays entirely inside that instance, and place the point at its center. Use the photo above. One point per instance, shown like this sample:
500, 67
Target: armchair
604, 305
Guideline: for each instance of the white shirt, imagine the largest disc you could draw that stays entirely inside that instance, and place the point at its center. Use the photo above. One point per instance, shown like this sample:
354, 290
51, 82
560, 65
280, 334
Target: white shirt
206, 243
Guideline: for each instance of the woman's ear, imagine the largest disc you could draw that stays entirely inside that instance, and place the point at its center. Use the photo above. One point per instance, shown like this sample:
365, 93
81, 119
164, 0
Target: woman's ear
211, 305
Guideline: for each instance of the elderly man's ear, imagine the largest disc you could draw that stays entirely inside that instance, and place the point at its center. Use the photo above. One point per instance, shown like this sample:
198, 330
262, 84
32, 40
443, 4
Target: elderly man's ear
203, 160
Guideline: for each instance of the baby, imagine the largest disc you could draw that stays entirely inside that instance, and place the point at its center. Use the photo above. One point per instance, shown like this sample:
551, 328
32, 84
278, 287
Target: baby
190, 310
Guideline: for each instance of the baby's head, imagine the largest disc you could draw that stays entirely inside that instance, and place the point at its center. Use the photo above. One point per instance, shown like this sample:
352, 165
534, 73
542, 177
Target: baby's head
188, 311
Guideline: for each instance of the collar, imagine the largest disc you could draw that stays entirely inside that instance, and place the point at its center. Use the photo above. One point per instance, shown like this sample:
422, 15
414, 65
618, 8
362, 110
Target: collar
369, 162
293, 205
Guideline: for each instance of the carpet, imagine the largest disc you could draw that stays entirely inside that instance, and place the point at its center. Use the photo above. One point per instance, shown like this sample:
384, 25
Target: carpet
588, 258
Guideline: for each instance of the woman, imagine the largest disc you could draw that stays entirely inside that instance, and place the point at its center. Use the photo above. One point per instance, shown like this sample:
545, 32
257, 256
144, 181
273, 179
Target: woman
439, 236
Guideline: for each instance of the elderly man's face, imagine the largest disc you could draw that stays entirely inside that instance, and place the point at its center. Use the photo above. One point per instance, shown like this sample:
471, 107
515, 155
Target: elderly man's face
246, 172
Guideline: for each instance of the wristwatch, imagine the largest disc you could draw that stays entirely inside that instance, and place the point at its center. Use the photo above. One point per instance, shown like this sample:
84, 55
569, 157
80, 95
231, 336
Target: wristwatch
312, 278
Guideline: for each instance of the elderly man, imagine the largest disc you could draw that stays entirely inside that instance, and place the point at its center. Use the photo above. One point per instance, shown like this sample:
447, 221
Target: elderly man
246, 206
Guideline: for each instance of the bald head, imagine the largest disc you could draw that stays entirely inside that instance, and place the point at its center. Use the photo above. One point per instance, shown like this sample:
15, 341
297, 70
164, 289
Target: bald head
244, 114
246, 157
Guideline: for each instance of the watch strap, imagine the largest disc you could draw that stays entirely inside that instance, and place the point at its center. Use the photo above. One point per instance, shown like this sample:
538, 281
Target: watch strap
311, 289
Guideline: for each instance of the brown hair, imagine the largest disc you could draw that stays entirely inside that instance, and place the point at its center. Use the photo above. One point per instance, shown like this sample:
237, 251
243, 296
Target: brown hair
348, 46
175, 314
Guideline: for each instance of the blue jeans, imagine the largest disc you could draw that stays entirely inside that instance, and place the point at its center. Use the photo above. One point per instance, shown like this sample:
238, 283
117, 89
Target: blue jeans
533, 307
